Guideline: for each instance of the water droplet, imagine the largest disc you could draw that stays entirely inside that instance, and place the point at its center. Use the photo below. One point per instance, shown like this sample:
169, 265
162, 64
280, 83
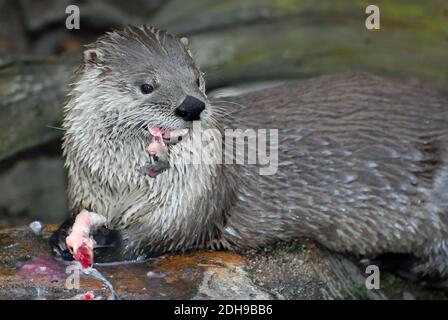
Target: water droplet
371, 164
348, 178
36, 227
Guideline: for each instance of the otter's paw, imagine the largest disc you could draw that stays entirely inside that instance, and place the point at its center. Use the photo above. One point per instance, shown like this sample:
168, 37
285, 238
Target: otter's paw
58, 243
106, 243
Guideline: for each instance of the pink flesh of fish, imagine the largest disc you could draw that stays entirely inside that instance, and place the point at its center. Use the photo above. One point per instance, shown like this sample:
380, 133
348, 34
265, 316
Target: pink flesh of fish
79, 241
159, 151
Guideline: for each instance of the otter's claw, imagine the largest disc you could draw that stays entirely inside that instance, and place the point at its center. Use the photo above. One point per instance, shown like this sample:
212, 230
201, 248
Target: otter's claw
57, 241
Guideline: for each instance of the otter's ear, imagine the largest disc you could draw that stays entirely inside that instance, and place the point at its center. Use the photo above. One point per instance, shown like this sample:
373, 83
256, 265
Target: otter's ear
184, 41
93, 57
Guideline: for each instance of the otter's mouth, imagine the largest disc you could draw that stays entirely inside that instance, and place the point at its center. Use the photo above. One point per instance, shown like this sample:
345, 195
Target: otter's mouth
158, 150
172, 136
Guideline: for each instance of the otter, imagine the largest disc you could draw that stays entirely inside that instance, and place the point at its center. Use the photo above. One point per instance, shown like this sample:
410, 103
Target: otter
363, 160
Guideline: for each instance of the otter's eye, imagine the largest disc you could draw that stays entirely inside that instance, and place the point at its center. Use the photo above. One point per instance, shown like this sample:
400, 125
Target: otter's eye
146, 88
198, 82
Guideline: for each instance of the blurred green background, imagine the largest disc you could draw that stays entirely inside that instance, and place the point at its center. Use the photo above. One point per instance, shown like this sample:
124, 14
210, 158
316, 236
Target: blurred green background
238, 44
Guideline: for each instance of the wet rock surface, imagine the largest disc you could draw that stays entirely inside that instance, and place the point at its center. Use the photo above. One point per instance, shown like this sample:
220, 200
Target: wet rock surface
28, 271
294, 270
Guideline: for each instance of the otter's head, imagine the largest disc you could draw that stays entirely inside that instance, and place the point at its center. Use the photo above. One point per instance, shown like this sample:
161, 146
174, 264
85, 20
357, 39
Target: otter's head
142, 77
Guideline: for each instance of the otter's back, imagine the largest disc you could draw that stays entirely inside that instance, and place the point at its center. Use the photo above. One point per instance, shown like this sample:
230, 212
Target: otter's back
355, 151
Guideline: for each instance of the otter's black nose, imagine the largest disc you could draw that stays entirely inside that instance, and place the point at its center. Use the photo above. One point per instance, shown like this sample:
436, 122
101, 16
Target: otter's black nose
190, 109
